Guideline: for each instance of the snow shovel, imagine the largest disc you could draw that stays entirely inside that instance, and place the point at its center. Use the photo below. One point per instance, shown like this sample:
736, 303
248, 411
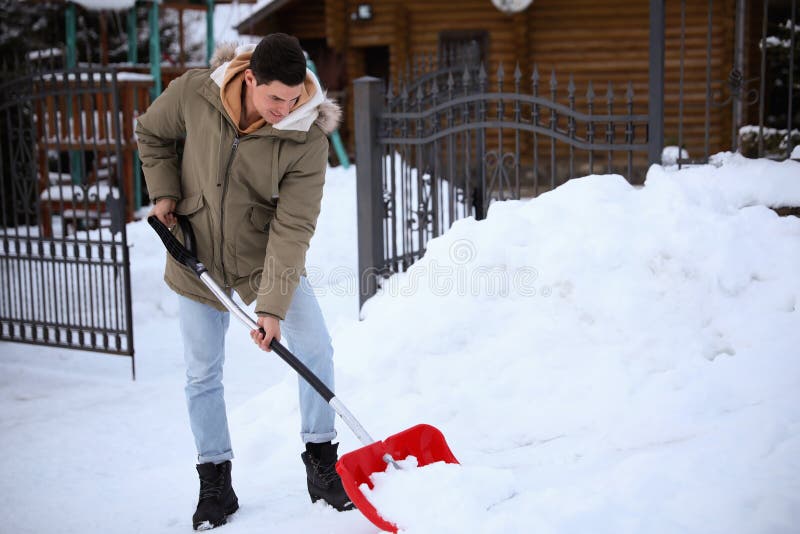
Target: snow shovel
424, 442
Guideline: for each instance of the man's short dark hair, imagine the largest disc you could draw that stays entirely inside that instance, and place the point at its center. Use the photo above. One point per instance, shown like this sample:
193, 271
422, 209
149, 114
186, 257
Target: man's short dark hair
279, 57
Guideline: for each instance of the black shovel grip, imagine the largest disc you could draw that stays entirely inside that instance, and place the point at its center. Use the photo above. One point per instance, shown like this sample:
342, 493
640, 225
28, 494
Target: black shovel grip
175, 248
300, 368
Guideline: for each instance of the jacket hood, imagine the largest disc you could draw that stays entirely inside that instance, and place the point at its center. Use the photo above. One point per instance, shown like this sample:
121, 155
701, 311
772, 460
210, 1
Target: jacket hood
319, 109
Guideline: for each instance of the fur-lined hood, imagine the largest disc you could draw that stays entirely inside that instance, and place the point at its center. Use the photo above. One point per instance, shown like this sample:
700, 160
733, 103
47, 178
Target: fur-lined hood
319, 110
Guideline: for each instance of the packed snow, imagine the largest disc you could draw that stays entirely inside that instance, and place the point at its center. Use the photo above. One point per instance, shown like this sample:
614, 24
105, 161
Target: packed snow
97, 5
468, 492
604, 358
671, 154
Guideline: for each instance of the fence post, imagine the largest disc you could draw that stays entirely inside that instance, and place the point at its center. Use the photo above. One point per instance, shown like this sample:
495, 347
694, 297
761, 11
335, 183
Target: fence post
655, 106
133, 41
737, 115
210, 45
71, 61
155, 50
368, 102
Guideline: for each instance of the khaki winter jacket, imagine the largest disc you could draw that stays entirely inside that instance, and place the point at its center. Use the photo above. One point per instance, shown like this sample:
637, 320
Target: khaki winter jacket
252, 199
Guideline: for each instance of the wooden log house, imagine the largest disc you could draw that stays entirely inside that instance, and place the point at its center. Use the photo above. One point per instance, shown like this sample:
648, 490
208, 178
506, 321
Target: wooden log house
602, 41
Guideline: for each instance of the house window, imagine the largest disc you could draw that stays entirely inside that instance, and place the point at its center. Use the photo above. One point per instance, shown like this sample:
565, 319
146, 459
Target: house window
463, 47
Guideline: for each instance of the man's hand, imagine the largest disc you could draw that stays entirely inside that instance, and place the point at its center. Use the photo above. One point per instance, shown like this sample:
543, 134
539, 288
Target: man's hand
272, 326
164, 211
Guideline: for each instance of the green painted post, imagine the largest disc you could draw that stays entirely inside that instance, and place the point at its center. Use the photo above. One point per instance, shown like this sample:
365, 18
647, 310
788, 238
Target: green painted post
71, 20
155, 51
133, 38
338, 146
209, 30
335, 138
75, 156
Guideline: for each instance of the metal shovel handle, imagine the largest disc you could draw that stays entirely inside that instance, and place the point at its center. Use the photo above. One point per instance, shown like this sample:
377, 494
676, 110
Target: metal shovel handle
183, 256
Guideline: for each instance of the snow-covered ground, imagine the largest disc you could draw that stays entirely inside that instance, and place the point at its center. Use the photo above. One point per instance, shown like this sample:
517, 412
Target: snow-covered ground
602, 359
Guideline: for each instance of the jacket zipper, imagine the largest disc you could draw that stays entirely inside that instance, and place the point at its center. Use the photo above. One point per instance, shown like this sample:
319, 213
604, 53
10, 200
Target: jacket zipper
234, 148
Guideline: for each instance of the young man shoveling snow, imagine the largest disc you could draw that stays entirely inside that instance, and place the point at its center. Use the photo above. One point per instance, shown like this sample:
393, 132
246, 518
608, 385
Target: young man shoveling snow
250, 184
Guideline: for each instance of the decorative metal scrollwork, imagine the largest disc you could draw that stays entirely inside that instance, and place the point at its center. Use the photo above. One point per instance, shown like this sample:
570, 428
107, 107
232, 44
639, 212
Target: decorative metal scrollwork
423, 215
498, 171
23, 171
737, 90
86, 192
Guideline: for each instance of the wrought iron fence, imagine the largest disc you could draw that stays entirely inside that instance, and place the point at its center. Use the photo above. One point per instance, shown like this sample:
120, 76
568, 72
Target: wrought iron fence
64, 266
443, 152
760, 90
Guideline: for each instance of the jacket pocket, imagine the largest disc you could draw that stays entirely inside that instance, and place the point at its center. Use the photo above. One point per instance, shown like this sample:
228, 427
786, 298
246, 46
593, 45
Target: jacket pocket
193, 209
260, 218
251, 240
190, 205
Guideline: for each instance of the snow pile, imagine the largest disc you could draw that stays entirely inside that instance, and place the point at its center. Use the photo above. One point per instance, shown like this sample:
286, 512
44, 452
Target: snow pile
629, 353
458, 491
733, 181
603, 359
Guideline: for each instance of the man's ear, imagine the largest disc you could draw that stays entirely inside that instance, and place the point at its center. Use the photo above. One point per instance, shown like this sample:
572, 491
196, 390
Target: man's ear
250, 78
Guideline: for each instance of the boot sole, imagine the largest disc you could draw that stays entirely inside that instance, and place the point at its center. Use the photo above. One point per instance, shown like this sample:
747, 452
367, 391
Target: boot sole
209, 525
344, 508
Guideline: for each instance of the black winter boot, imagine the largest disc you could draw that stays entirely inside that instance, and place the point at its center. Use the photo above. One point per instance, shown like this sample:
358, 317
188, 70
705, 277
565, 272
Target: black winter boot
323, 480
217, 498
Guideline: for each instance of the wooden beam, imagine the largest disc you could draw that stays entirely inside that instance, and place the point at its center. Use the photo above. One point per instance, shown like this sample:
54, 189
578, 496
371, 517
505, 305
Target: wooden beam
180, 5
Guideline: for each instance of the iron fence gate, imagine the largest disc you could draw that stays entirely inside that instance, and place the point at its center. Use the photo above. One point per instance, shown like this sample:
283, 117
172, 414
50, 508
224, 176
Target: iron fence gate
450, 146
64, 265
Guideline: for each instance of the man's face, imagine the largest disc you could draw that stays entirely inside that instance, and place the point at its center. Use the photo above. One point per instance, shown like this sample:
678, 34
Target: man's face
273, 100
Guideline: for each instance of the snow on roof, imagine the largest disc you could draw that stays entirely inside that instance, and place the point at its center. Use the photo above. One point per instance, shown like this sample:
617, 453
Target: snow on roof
48, 52
105, 4
124, 4
259, 11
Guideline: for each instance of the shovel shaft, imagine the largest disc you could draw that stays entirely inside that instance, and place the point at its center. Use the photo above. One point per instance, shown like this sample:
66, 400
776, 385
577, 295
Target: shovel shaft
286, 355
186, 258
275, 345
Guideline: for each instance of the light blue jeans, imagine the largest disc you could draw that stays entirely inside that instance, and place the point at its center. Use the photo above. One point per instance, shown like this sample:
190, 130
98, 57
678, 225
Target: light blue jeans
203, 330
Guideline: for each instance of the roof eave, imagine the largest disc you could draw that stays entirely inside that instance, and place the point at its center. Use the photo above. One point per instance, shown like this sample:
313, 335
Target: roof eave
263, 13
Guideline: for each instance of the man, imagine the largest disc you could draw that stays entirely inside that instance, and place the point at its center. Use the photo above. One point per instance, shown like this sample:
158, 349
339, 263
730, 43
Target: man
250, 184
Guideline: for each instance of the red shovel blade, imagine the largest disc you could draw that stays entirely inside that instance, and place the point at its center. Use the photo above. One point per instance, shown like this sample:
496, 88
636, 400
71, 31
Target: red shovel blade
424, 442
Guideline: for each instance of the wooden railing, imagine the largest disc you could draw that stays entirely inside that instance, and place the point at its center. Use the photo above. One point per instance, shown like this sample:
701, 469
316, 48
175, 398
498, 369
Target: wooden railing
87, 121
